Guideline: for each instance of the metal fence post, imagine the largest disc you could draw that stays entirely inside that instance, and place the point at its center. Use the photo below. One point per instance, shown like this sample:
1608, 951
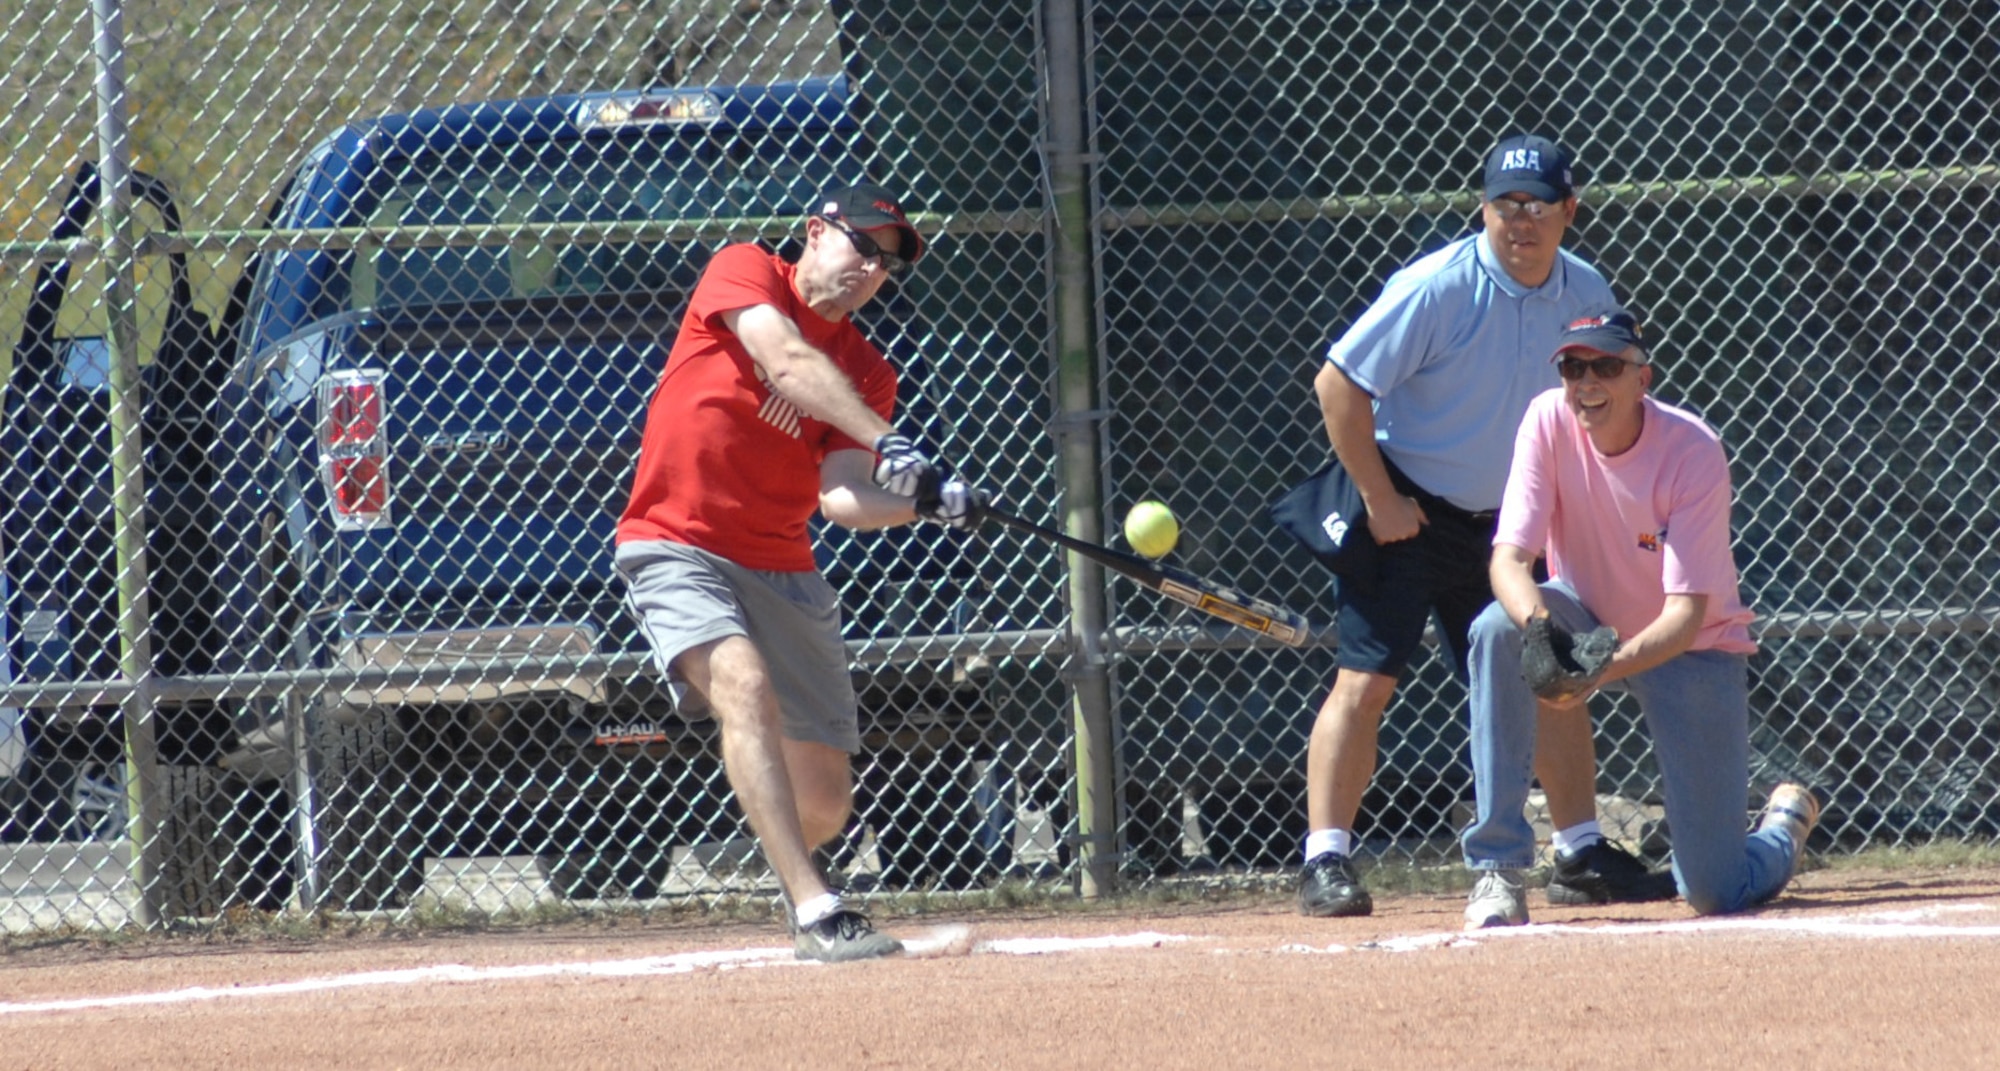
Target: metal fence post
301, 734
128, 477
1077, 433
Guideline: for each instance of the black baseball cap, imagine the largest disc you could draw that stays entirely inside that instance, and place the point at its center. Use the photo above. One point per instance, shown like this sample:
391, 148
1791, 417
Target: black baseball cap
1530, 164
1611, 333
866, 205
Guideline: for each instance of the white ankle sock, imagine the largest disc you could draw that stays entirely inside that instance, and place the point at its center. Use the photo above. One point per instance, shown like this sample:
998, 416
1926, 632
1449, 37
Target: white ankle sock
816, 909
1321, 841
1576, 838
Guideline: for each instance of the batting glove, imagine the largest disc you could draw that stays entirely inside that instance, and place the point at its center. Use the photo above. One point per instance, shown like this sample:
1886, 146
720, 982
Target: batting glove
957, 503
901, 468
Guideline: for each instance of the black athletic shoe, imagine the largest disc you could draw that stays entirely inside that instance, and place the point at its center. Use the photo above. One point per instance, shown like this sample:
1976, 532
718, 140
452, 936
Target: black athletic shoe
843, 936
1604, 873
1328, 888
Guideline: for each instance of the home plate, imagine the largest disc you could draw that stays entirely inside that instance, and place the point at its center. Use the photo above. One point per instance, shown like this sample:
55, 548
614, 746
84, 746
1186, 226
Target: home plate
939, 942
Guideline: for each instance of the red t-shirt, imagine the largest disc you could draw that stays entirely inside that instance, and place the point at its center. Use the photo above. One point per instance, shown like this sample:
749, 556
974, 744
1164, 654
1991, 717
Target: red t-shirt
725, 464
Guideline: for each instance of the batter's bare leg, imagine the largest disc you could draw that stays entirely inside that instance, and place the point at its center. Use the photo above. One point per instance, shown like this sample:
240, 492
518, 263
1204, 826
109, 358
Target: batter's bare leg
732, 674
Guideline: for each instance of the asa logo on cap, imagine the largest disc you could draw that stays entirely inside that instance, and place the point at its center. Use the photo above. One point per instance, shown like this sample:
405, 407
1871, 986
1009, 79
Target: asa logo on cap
1521, 160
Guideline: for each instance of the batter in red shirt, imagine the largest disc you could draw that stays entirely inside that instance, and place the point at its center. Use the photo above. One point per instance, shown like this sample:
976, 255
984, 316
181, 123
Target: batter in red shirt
727, 463
760, 418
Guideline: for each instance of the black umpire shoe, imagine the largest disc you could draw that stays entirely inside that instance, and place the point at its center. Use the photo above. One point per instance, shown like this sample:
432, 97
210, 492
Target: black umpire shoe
1329, 889
843, 936
1604, 873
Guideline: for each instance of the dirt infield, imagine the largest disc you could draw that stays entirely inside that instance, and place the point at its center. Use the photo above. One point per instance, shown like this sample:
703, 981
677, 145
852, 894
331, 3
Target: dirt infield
1851, 969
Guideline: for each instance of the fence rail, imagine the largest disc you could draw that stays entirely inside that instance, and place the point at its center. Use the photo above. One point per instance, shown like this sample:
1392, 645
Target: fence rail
1126, 641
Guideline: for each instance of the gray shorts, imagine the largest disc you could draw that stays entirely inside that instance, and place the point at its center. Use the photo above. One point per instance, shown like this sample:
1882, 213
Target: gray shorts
684, 596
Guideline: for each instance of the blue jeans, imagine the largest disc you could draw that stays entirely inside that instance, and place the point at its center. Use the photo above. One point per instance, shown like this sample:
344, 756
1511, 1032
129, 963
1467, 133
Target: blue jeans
1697, 708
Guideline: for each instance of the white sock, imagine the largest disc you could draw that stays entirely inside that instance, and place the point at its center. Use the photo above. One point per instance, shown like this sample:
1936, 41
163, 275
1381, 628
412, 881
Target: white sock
1321, 841
1576, 838
816, 909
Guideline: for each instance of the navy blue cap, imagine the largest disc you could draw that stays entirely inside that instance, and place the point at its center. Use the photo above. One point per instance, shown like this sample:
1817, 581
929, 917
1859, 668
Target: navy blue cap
1530, 164
865, 206
1611, 332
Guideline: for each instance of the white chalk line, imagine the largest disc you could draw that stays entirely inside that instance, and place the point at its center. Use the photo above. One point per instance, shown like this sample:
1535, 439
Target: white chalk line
1901, 925
446, 972
682, 963
1892, 924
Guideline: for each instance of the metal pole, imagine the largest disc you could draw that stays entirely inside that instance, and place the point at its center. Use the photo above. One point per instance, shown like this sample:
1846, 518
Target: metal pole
128, 477
1076, 432
301, 729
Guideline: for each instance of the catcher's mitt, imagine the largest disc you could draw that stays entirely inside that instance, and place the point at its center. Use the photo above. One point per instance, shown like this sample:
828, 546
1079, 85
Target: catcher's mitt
1558, 665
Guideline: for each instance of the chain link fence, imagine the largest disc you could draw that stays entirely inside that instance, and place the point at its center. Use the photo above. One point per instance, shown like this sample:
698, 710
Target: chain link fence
331, 337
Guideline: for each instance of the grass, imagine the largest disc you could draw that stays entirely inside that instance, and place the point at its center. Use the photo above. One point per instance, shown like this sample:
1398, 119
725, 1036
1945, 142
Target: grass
1925, 858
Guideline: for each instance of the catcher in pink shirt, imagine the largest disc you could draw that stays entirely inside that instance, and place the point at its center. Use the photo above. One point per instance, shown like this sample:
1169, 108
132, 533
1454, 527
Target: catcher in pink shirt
1629, 499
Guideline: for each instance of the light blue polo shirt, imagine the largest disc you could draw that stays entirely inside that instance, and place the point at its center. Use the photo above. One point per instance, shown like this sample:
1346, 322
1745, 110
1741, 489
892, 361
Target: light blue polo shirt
1452, 352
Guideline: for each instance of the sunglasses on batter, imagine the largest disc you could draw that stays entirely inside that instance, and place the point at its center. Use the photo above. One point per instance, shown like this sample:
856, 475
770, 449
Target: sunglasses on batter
892, 263
1604, 368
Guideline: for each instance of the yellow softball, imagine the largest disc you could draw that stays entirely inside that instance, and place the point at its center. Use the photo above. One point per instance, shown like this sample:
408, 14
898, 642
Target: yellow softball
1151, 529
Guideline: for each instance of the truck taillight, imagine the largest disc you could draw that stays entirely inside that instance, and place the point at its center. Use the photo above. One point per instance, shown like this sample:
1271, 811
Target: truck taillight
354, 446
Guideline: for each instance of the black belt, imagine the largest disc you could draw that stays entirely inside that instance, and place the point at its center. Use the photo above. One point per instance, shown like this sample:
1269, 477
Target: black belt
1436, 502
1485, 516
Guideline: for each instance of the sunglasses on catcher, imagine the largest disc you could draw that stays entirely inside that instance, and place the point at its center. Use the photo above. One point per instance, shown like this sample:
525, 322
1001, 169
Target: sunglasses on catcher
893, 263
1604, 368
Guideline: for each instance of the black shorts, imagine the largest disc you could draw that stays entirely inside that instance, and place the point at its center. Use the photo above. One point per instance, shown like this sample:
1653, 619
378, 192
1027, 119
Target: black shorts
1441, 570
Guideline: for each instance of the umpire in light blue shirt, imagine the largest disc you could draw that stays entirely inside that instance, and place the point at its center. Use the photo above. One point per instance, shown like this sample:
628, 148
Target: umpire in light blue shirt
1421, 397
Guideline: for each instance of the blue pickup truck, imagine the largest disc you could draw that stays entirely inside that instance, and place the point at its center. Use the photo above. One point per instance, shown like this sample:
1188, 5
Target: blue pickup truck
410, 458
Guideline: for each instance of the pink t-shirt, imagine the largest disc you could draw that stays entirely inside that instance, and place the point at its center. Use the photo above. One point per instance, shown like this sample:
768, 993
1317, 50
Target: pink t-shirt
1628, 531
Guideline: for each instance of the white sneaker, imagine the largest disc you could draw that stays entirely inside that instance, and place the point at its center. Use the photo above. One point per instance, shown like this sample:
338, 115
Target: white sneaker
1794, 809
1500, 899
